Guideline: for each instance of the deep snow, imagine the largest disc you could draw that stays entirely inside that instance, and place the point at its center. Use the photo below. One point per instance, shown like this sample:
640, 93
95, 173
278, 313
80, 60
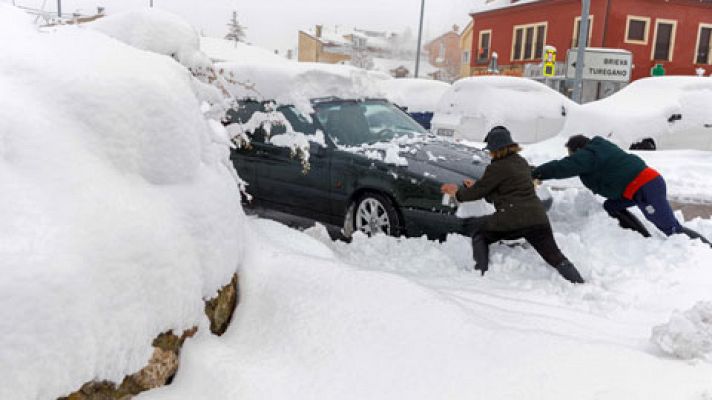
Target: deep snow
385, 318
119, 207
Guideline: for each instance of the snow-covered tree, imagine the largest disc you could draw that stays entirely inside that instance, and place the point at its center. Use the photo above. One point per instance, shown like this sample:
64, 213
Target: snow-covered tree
236, 30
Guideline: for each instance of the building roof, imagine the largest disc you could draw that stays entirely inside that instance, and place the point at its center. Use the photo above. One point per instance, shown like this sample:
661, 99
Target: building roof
492, 5
220, 50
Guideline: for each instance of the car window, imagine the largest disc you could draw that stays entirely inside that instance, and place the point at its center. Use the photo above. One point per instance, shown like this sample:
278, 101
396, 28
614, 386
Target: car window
298, 121
243, 113
353, 123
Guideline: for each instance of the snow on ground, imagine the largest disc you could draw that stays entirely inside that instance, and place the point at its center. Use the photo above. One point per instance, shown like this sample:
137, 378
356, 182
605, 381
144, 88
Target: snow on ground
119, 205
385, 318
221, 50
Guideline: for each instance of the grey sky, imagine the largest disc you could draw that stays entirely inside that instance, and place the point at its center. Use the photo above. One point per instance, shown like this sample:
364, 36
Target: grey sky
274, 23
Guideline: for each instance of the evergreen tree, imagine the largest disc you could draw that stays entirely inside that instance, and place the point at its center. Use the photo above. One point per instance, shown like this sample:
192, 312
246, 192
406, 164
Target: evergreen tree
236, 31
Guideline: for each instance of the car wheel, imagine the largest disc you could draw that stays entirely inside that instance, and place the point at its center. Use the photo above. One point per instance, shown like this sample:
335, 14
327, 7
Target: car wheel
374, 214
645, 144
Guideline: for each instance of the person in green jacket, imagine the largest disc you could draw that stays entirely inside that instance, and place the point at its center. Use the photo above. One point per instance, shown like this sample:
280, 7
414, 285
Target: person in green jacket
507, 183
622, 178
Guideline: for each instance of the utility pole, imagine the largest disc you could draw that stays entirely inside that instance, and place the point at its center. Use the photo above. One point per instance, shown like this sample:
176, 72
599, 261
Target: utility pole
59, 8
151, 3
580, 53
420, 38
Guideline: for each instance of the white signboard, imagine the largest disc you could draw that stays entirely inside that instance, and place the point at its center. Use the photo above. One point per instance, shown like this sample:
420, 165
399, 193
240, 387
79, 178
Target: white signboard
612, 65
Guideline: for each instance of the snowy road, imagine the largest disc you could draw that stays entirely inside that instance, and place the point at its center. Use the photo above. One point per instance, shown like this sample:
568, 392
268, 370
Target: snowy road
392, 318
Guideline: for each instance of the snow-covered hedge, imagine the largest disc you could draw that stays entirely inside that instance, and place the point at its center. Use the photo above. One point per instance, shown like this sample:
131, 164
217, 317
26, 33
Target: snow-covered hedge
120, 208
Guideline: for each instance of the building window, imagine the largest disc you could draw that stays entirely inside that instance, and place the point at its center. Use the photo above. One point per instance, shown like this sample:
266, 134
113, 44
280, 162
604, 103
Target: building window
704, 42
485, 41
528, 41
636, 30
664, 41
465, 57
441, 53
577, 29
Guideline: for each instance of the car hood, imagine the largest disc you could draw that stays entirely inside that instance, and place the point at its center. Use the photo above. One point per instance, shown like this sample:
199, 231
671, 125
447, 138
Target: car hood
446, 161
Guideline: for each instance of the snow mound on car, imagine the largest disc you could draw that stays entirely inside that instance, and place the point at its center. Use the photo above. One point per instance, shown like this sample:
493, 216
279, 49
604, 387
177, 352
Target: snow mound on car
120, 209
418, 95
642, 109
298, 83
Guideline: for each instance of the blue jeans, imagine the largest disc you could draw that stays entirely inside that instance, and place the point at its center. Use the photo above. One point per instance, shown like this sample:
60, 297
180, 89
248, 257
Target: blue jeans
651, 199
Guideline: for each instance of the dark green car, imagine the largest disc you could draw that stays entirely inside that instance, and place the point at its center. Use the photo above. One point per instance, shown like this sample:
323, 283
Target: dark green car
376, 170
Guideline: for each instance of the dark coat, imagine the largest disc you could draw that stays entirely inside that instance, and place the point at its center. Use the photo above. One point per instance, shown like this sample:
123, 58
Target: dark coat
602, 166
507, 183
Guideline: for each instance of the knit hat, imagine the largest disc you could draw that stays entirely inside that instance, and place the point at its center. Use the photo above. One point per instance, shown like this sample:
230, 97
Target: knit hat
498, 138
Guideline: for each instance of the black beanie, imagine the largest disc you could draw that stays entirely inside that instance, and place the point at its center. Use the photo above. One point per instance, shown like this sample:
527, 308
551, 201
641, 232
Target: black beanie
577, 142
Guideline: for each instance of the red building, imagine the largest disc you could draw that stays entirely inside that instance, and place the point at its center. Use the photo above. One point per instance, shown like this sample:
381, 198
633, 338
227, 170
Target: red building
444, 53
674, 33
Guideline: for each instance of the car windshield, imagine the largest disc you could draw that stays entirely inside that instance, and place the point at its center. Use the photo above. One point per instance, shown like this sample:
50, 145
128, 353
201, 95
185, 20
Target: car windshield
354, 123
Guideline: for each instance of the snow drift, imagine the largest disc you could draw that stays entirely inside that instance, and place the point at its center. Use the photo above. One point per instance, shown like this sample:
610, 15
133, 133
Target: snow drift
419, 95
120, 208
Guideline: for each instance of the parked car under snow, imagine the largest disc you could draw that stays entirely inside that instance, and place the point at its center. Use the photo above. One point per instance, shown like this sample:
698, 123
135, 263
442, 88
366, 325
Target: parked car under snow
653, 113
472, 106
370, 166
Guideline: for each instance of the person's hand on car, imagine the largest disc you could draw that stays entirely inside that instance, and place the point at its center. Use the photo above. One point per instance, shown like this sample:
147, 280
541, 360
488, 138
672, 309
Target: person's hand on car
449, 189
469, 183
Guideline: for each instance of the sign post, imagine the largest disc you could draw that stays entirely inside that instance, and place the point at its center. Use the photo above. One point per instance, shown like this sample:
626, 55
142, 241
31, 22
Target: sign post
611, 65
582, 44
549, 65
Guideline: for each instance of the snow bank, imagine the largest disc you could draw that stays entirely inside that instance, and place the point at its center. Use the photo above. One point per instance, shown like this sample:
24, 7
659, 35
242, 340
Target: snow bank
388, 318
529, 109
155, 31
120, 208
642, 109
688, 335
419, 95
298, 83
221, 50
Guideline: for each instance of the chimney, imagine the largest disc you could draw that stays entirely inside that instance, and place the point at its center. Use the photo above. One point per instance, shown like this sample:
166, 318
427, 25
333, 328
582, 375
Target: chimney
100, 10
456, 28
318, 31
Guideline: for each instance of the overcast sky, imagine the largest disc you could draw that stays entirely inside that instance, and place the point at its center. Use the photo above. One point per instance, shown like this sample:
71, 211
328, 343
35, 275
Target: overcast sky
274, 23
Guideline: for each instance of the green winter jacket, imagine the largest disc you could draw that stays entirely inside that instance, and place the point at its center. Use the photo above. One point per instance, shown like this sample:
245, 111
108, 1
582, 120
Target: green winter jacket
602, 166
507, 183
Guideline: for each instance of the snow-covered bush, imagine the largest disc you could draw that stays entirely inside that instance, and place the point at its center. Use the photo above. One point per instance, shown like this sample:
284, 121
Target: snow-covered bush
688, 334
120, 207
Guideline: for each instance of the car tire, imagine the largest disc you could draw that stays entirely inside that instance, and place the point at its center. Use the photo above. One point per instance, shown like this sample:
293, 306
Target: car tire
375, 213
645, 144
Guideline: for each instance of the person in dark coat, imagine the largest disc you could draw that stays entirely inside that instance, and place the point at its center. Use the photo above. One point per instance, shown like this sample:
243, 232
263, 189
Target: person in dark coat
519, 213
622, 178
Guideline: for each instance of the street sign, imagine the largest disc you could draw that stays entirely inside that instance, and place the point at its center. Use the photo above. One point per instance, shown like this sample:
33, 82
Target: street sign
612, 65
549, 65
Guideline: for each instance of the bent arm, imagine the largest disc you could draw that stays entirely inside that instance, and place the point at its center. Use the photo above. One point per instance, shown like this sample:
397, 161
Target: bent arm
581, 162
482, 187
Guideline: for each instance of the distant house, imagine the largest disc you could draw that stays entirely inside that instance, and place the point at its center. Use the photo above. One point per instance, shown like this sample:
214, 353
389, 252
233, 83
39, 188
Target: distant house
444, 53
466, 49
674, 33
341, 44
405, 68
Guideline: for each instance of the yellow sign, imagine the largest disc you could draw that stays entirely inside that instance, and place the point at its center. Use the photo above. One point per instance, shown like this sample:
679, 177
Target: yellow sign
549, 64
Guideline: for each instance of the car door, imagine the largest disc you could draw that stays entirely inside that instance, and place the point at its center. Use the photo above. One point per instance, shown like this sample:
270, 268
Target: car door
284, 178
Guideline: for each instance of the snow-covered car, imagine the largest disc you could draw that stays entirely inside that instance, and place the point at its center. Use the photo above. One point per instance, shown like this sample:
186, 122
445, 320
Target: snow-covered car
529, 109
353, 162
418, 97
670, 112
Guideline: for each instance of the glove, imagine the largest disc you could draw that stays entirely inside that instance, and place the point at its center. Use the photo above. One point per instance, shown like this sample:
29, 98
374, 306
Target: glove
482, 269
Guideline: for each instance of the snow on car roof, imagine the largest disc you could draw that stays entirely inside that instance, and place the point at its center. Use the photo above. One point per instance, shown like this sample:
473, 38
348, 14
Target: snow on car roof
642, 109
419, 95
297, 83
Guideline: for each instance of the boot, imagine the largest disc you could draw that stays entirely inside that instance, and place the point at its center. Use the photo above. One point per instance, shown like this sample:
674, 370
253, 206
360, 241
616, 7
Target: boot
694, 235
626, 220
480, 252
569, 272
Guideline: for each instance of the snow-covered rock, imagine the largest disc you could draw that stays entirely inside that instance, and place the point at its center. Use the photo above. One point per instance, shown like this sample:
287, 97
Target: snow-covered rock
120, 208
